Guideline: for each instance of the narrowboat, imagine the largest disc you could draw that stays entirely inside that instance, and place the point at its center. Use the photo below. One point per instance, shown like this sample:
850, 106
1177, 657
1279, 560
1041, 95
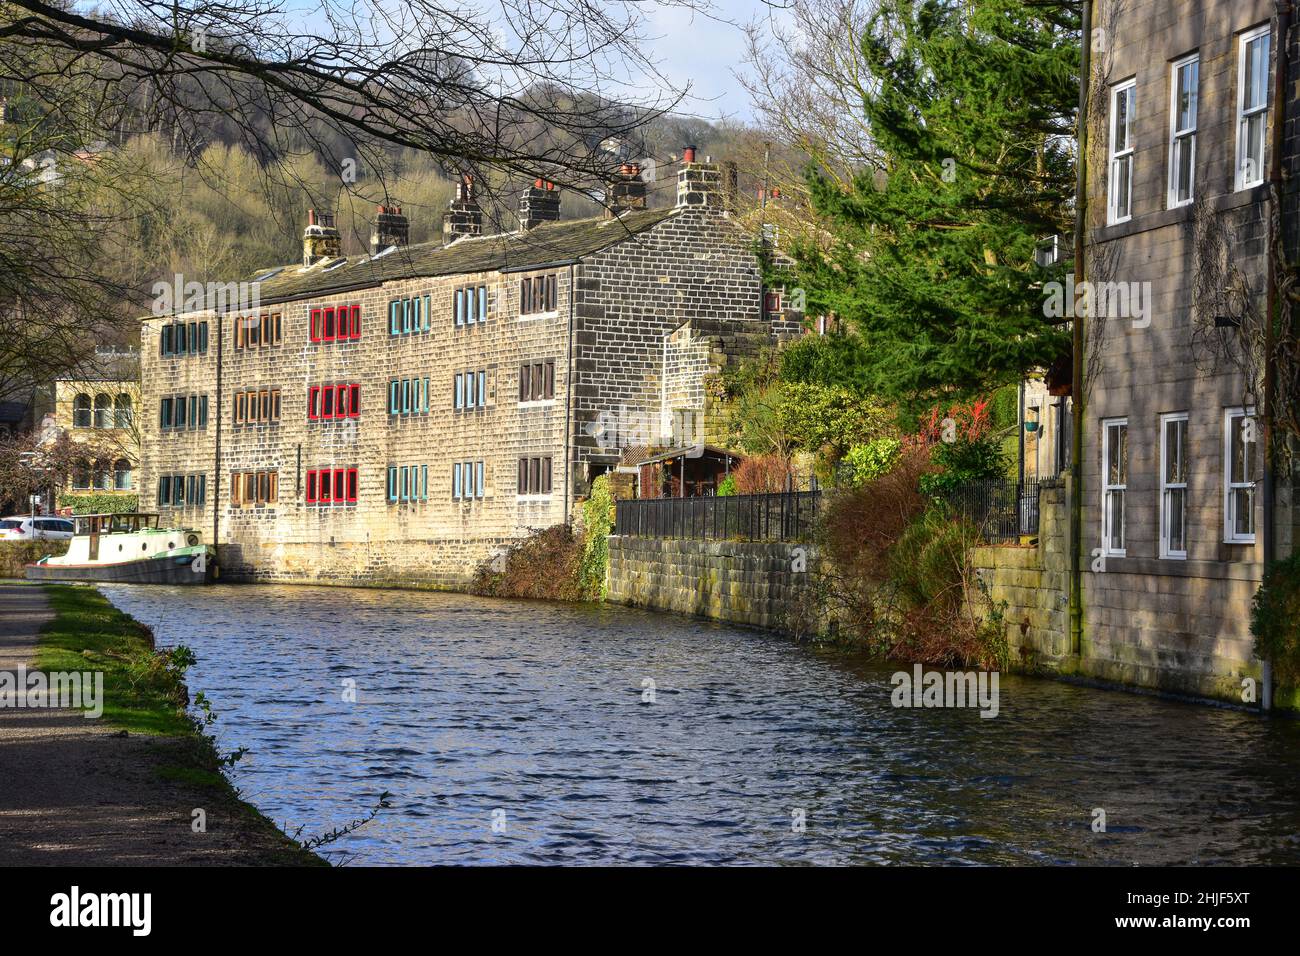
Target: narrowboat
129, 549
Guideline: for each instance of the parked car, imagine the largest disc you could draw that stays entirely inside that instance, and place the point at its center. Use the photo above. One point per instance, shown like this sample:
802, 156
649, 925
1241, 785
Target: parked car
19, 528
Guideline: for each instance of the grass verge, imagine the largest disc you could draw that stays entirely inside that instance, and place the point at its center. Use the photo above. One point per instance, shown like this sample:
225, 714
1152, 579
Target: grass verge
145, 693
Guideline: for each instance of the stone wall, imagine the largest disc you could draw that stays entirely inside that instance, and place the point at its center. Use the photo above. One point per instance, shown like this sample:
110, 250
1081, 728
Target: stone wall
1032, 583
744, 582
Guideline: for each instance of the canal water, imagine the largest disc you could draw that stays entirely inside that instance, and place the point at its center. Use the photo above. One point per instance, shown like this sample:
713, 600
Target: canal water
522, 732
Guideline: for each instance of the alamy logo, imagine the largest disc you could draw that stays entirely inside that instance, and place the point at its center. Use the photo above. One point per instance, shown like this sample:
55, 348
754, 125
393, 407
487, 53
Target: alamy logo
177, 296
103, 909
629, 428
37, 690
946, 689
1098, 300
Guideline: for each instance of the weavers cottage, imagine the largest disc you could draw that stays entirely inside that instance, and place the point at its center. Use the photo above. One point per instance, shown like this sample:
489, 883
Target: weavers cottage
400, 416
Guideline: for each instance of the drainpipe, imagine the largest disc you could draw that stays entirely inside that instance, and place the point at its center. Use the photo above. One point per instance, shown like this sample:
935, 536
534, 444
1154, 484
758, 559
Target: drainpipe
1268, 539
217, 320
1076, 329
570, 433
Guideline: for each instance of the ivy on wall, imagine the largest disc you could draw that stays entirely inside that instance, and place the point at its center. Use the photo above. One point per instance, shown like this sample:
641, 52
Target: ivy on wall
92, 503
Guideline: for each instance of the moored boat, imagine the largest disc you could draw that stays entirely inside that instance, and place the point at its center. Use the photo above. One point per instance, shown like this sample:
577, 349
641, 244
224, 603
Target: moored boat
129, 549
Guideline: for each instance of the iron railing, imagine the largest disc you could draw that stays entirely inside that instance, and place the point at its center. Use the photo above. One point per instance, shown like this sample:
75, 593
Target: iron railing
1002, 508
784, 516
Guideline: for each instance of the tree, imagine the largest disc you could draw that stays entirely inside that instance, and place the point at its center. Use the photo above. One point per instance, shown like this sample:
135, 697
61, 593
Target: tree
932, 259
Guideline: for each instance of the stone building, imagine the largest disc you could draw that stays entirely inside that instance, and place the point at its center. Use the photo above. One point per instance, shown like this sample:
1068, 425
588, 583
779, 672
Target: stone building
400, 416
1177, 256
96, 406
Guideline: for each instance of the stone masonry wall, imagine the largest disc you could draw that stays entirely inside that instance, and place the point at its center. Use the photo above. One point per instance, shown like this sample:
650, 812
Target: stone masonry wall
743, 582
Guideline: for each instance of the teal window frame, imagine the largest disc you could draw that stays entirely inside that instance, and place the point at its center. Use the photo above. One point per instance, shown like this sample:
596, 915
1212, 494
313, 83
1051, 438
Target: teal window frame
459, 308
460, 391
478, 478
482, 303
455, 480
392, 482
393, 320
481, 377
393, 392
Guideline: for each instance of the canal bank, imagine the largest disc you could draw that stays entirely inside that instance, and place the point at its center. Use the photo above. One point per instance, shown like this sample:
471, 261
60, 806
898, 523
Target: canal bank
132, 787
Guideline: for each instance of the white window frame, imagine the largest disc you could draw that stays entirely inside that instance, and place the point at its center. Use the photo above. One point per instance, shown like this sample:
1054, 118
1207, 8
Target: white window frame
1230, 535
1125, 155
1166, 486
1183, 138
1107, 489
1243, 116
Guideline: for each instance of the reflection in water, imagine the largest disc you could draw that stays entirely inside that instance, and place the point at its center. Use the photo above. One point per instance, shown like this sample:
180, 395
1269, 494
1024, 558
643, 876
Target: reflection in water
466, 706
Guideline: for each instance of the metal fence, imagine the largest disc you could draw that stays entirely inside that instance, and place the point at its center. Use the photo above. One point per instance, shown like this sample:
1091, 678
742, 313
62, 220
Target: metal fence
785, 516
1002, 508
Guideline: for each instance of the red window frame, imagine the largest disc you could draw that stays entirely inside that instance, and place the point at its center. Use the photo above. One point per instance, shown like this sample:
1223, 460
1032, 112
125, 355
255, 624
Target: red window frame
330, 332
341, 401
313, 403
324, 487
340, 485
315, 325
354, 401
327, 402
311, 488
352, 486
354, 322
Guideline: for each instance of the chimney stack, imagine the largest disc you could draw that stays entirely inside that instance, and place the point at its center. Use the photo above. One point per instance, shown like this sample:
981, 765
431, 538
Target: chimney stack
698, 184
391, 229
539, 203
463, 217
320, 240
627, 191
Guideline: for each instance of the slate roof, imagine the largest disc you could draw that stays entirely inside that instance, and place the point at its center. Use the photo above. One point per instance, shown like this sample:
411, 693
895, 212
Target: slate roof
550, 244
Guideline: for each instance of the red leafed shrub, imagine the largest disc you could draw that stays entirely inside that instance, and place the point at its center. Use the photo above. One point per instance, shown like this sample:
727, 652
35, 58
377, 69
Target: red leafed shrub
862, 524
763, 474
543, 565
972, 422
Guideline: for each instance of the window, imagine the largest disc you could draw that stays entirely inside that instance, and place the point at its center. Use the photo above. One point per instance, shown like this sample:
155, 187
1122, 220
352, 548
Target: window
341, 323
537, 295
81, 417
257, 407
481, 379
182, 491
332, 486
537, 381
122, 475
1239, 458
103, 411
455, 480
1114, 455
535, 476
81, 476
180, 338
478, 479
122, 410
1119, 203
1252, 106
1182, 132
329, 402
255, 489
165, 413
1173, 485
459, 390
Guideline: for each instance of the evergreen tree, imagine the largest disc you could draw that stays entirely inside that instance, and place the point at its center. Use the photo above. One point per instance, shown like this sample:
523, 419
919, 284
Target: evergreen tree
930, 257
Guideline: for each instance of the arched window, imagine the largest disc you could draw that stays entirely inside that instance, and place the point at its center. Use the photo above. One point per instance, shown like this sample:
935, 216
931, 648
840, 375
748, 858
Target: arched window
81, 411
123, 411
122, 475
81, 474
103, 411
103, 476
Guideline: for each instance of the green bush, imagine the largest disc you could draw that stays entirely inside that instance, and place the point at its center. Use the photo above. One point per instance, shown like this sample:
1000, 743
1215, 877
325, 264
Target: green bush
15, 555
92, 503
727, 486
1275, 620
598, 522
867, 462
967, 459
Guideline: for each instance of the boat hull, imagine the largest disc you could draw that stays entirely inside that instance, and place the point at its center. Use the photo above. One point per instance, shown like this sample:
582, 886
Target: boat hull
172, 570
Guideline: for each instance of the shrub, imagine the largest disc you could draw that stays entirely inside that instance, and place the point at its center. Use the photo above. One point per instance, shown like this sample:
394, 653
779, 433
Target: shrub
597, 523
1275, 620
16, 555
867, 462
763, 474
91, 503
962, 461
727, 486
543, 565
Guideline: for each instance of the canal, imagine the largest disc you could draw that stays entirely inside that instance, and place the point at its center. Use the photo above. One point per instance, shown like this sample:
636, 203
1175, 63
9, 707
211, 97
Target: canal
523, 732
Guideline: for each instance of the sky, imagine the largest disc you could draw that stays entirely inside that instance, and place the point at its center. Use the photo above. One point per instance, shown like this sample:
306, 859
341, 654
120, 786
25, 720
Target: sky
705, 50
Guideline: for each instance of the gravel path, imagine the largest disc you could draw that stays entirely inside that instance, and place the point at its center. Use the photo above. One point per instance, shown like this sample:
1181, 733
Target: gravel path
75, 791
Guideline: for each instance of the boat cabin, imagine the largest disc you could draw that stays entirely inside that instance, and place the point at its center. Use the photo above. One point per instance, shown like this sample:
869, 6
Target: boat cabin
114, 523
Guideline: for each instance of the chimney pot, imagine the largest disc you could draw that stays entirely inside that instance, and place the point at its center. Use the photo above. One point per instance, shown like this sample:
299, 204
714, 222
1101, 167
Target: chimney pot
688, 154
